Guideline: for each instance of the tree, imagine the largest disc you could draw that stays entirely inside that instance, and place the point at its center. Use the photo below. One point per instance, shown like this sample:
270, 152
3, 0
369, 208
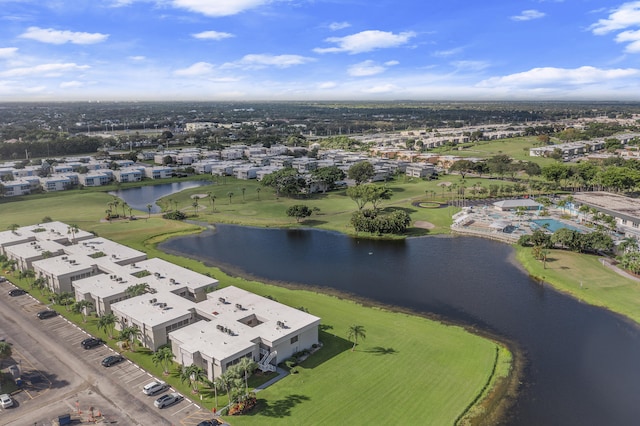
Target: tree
243, 189
192, 374
163, 357
356, 332
5, 351
230, 195
328, 176
107, 323
149, 207
258, 189
81, 307
130, 334
13, 227
299, 211
73, 230
361, 172
463, 167
137, 289
247, 366
65, 299
286, 181
195, 203
225, 381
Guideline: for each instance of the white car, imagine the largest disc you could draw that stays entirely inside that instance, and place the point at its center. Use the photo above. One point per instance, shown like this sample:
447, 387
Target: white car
6, 401
154, 387
168, 399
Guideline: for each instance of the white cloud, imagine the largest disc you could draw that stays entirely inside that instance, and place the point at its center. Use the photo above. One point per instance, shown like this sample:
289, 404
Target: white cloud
212, 35
450, 52
528, 15
196, 70
335, 26
470, 65
43, 70
71, 84
382, 88
365, 69
6, 52
256, 61
49, 35
219, 7
327, 85
137, 58
631, 37
627, 15
368, 68
552, 77
366, 41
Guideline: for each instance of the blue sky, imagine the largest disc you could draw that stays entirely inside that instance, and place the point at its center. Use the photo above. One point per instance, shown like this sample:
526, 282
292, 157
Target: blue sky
319, 50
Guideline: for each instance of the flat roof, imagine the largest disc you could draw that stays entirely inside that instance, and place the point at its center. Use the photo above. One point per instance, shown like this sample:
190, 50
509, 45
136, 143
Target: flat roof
114, 252
63, 265
227, 308
103, 285
171, 276
608, 201
154, 309
33, 249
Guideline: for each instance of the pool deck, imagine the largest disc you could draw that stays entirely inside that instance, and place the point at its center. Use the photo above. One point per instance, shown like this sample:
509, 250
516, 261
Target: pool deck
485, 221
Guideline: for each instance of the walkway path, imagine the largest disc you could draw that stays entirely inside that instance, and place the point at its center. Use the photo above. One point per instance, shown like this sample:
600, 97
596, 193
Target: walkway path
281, 375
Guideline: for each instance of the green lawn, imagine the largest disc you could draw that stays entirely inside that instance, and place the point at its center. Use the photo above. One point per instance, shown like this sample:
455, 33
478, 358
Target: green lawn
516, 148
584, 277
408, 369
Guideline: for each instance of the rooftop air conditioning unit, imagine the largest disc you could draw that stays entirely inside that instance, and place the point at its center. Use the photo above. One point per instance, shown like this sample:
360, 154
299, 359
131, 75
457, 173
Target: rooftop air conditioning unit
238, 306
221, 300
133, 265
172, 281
219, 327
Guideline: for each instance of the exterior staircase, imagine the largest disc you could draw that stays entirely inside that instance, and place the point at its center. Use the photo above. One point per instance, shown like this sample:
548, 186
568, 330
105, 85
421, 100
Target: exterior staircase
265, 362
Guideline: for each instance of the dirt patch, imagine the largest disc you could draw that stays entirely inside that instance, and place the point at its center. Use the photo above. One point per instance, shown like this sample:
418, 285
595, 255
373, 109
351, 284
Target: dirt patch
199, 195
423, 224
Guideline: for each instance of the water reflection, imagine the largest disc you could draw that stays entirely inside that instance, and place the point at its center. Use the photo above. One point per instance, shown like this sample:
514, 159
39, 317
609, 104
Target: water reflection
138, 198
582, 361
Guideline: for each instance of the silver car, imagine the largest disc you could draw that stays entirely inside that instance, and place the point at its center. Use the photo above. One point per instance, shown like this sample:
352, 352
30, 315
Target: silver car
6, 401
168, 399
154, 387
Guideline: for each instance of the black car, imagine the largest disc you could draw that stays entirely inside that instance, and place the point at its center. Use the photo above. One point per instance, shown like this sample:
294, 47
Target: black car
212, 422
47, 313
17, 292
91, 342
112, 359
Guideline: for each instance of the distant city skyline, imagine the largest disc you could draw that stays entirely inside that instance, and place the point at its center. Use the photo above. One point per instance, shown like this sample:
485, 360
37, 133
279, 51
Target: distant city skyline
244, 50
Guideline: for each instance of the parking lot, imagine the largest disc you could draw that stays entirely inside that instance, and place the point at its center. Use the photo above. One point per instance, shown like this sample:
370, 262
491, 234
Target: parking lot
60, 376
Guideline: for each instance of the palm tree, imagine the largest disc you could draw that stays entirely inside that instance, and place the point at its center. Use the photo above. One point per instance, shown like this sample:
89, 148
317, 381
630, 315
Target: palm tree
137, 289
73, 229
247, 366
192, 374
28, 274
130, 211
124, 207
13, 227
149, 207
212, 199
107, 323
81, 307
64, 299
38, 283
5, 350
243, 189
229, 194
225, 381
163, 357
355, 332
116, 203
258, 189
130, 334
195, 204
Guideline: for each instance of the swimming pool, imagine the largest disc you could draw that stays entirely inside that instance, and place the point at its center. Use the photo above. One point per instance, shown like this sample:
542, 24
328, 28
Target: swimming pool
552, 224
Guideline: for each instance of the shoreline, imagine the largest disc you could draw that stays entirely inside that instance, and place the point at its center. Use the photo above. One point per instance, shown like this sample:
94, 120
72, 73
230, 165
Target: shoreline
492, 404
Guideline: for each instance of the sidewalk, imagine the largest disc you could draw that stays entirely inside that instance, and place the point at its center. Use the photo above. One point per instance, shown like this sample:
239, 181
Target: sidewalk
281, 375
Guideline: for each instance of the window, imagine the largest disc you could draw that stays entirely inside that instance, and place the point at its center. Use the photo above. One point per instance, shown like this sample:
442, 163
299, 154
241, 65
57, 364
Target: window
294, 339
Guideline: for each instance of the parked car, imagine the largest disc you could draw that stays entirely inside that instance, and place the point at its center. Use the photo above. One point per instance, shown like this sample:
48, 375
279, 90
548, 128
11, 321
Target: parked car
17, 292
6, 401
212, 422
111, 360
47, 313
91, 342
168, 399
2, 279
154, 387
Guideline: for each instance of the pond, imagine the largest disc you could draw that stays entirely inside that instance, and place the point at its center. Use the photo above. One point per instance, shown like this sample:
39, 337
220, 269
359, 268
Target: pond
138, 198
582, 361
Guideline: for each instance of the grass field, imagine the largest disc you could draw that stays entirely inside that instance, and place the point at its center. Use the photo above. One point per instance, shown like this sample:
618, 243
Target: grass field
516, 148
584, 277
408, 370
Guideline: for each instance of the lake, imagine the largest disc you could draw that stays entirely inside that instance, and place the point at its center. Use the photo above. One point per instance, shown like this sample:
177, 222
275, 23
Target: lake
138, 198
582, 362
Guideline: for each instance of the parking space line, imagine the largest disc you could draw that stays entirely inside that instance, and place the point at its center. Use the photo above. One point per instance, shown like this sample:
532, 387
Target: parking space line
182, 409
139, 375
